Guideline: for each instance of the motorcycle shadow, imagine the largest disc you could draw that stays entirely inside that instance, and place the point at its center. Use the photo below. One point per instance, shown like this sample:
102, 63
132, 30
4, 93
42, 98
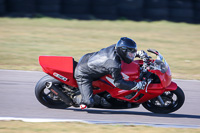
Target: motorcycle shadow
125, 112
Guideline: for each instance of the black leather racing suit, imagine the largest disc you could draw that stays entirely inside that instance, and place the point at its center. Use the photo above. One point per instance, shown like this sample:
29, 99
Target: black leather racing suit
92, 66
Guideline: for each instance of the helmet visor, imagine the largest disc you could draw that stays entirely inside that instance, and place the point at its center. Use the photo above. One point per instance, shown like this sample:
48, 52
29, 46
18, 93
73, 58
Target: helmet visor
131, 55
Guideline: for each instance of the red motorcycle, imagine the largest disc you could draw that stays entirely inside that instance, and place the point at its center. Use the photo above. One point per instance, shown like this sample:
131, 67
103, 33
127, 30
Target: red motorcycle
159, 95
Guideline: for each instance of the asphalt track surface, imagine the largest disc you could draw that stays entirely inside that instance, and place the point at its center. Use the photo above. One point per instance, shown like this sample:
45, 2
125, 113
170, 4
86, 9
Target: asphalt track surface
17, 100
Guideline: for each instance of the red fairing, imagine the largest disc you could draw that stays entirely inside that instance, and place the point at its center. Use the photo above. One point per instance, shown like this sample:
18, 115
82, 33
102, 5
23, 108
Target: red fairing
173, 86
60, 67
132, 71
103, 84
165, 78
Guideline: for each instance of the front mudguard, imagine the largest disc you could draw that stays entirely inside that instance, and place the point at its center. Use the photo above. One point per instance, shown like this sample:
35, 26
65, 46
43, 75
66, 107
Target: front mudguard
172, 87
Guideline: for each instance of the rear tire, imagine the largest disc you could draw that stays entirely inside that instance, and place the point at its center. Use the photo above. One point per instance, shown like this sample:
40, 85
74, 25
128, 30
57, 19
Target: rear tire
173, 101
45, 96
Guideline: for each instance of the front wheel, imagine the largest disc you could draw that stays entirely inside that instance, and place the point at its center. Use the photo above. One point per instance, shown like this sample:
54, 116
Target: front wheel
172, 101
45, 96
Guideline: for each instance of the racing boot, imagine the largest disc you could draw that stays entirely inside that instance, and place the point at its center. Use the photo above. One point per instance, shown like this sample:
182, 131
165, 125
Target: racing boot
77, 102
83, 106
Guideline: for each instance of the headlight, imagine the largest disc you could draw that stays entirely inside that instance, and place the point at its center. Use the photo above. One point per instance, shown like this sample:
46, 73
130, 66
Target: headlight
159, 65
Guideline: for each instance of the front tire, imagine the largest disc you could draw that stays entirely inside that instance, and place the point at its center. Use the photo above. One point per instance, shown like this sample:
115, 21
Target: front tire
173, 100
45, 96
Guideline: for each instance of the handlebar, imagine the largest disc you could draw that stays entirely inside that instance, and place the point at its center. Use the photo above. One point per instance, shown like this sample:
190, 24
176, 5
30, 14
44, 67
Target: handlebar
146, 61
153, 51
145, 75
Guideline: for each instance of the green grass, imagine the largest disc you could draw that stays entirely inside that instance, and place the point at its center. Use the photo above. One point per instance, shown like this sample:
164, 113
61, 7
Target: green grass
27, 127
22, 40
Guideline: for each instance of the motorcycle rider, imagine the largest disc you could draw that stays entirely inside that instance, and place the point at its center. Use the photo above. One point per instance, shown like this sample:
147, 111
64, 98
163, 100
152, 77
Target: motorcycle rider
92, 66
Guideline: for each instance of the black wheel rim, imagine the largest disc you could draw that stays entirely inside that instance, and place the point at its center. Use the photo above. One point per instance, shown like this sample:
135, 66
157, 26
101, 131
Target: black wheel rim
170, 100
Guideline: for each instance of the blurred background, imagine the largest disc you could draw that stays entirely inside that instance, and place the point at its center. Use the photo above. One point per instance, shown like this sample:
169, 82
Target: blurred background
30, 28
173, 10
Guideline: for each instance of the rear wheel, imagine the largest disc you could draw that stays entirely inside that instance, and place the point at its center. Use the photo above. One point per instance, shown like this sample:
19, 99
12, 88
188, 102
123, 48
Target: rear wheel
45, 96
172, 101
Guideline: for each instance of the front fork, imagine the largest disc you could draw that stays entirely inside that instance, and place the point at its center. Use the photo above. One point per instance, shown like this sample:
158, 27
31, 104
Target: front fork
161, 101
148, 80
172, 87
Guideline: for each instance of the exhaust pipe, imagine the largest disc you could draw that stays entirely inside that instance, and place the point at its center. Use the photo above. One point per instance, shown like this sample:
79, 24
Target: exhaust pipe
59, 93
